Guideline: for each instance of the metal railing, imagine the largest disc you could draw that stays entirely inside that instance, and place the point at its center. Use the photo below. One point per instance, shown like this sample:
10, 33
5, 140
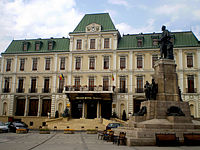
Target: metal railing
6, 90
46, 90
33, 90
20, 90
89, 88
139, 90
194, 90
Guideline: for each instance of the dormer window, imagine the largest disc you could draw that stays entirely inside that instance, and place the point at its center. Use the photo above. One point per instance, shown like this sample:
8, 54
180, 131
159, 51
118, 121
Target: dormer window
38, 45
51, 45
25, 46
155, 40
140, 40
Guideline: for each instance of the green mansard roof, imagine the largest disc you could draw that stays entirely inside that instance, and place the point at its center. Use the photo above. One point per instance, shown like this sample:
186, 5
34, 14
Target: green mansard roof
59, 45
181, 39
103, 19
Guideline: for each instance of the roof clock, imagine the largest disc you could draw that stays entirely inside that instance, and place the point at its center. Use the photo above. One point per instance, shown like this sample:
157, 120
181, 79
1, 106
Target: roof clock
93, 28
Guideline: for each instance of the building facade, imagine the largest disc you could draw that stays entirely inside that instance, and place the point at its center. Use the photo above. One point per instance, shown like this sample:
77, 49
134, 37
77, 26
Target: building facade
93, 73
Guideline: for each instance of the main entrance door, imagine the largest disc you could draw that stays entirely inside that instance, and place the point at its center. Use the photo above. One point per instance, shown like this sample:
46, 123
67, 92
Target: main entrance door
76, 109
91, 109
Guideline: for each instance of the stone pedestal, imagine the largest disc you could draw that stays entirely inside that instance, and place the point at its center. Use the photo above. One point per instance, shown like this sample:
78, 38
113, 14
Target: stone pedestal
166, 77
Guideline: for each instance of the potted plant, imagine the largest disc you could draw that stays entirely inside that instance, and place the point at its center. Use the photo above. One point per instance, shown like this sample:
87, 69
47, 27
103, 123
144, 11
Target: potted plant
44, 131
91, 131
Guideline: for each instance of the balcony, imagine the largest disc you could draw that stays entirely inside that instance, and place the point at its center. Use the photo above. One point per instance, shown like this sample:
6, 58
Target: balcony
32, 90
122, 90
59, 90
139, 90
6, 90
20, 90
85, 88
46, 90
192, 90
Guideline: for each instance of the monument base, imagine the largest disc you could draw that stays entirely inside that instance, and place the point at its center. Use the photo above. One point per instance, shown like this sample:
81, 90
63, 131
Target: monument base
165, 115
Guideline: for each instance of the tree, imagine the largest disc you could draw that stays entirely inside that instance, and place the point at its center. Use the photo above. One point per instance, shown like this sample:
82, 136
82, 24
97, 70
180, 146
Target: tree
124, 115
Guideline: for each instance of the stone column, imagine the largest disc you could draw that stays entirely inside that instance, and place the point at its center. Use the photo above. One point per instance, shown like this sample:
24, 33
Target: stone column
180, 55
198, 61
83, 111
26, 107
12, 100
39, 107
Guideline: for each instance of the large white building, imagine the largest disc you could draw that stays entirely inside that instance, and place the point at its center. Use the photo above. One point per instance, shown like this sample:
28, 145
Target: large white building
102, 71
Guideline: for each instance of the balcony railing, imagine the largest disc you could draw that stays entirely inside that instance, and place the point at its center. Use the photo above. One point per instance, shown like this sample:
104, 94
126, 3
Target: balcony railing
20, 90
33, 90
139, 90
59, 90
194, 90
89, 88
6, 90
46, 90
122, 90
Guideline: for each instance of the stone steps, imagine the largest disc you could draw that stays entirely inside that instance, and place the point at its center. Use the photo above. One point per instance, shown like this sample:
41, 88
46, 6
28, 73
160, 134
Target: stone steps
76, 124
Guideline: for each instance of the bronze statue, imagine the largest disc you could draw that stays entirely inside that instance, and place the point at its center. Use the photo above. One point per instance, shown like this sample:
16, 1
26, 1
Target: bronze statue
166, 46
151, 90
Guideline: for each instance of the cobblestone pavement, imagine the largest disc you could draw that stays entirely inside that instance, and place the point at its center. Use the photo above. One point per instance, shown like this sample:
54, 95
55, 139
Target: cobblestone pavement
60, 141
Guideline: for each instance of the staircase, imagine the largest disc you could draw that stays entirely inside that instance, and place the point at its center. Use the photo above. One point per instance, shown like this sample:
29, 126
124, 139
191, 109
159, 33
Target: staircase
76, 124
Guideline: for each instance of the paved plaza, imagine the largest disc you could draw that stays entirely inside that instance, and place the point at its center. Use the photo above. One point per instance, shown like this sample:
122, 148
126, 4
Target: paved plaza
60, 141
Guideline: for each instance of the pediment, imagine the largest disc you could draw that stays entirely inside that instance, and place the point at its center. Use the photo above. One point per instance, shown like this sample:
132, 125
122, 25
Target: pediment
93, 27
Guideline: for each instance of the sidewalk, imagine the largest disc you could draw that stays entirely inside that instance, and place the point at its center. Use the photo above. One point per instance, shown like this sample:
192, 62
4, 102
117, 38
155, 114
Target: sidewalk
60, 141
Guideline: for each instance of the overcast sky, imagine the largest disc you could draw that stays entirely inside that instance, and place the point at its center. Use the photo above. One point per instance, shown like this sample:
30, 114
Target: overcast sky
32, 19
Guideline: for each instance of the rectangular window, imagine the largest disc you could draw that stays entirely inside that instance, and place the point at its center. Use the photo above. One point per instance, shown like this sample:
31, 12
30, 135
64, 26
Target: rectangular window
37, 46
106, 62
6, 86
8, 65
33, 85
50, 45
154, 59
20, 86
92, 43
106, 43
79, 44
25, 46
190, 79
22, 63
122, 62
139, 61
122, 88
34, 67
61, 85
91, 83
77, 83
62, 63
46, 85
139, 42
189, 60
92, 63
139, 84
105, 83
155, 42
47, 64
78, 63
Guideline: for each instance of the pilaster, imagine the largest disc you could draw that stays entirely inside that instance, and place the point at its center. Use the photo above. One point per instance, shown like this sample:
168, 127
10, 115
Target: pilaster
53, 106
11, 108
26, 106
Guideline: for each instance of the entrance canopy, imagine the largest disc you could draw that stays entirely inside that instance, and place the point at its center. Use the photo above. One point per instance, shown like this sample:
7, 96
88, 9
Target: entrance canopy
89, 96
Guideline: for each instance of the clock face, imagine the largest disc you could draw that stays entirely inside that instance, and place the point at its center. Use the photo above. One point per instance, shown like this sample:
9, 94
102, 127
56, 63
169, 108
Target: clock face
93, 28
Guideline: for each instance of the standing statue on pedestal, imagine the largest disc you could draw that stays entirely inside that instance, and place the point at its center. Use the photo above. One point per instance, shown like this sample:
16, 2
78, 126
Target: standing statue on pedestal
166, 46
151, 90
